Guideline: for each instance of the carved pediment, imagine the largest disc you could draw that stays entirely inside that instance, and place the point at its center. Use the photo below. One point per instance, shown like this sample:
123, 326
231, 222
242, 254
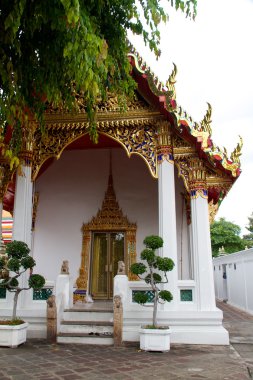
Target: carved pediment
110, 104
110, 216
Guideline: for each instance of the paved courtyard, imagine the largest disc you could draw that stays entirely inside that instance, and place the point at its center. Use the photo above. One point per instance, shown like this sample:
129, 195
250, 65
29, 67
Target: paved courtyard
40, 360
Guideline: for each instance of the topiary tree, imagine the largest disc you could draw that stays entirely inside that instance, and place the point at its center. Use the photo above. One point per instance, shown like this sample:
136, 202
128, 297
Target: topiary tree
155, 264
13, 264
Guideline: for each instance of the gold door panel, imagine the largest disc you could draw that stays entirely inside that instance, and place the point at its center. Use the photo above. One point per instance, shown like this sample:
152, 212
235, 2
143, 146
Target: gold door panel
107, 249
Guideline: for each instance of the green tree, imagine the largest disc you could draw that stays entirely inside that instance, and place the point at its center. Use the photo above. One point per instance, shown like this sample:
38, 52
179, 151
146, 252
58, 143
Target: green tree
12, 265
52, 49
248, 238
226, 234
155, 273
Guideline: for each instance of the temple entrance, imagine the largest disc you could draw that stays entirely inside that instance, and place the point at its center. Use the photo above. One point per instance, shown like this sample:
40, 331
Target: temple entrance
108, 238
107, 249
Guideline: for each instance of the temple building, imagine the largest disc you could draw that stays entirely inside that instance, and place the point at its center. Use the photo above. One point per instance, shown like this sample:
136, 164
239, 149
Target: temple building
154, 171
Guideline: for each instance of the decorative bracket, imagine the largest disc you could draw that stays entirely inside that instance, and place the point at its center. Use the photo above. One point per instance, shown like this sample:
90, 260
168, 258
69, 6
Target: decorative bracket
164, 148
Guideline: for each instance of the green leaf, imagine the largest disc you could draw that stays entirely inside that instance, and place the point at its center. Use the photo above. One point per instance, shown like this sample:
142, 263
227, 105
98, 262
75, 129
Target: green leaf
165, 295
140, 297
14, 283
165, 264
138, 268
156, 278
148, 255
28, 262
17, 249
153, 242
13, 264
36, 281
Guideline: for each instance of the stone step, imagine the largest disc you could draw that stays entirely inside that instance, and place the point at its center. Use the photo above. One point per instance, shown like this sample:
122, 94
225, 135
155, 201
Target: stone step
87, 315
98, 323
97, 309
82, 338
100, 327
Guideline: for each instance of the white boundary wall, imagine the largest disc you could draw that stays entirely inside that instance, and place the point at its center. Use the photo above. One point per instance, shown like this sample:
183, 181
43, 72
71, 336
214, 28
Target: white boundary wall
233, 279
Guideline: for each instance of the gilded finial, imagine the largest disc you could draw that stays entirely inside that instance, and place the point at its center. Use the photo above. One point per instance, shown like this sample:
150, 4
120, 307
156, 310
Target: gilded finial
172, 77
237, 151
170, 84
206, 122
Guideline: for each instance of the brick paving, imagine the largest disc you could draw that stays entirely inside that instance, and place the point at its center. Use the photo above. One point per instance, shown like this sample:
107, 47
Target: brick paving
37, 359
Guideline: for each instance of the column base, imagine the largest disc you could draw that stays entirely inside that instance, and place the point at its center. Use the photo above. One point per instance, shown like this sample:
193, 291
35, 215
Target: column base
213, 335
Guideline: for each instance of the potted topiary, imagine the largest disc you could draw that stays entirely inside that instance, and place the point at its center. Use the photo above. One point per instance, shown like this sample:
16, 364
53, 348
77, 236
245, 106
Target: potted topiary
14, 263
153, 337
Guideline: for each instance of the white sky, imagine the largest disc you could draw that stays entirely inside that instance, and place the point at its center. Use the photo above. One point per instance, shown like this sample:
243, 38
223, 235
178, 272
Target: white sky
214, 57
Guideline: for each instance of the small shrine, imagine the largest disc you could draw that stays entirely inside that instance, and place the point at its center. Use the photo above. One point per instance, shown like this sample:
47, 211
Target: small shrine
166, 177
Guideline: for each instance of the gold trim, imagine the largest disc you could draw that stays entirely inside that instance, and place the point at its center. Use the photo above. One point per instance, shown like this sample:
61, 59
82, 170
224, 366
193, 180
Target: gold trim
164, 149
201, 131
213, 209
131, 251
197, 178
170, 84
182, 149
183, 171
82, 280
135, 131
28, 142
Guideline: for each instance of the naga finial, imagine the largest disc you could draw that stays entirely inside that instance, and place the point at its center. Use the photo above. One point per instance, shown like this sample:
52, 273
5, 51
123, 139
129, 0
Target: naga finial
237, 151
172, 77
170, 84
206, 122
225, 152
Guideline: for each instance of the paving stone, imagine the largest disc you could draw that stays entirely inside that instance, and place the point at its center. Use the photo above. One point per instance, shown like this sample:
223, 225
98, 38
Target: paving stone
38, 360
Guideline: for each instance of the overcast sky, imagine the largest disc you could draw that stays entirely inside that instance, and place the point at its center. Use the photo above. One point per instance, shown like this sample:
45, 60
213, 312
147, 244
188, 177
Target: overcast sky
214, 56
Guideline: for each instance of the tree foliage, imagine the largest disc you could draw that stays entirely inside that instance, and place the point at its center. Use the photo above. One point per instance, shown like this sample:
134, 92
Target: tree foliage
248, 238
226, 234
52, 49
13, 264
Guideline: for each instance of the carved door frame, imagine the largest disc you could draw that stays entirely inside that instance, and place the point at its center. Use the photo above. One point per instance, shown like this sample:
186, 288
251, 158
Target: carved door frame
109, 218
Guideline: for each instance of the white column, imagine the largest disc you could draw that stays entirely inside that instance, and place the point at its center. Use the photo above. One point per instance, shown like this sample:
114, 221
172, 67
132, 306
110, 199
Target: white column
167, 223
22, 220
202, 254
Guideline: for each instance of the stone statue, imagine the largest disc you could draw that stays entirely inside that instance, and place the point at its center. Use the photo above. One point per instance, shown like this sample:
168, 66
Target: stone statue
121, 268
51, 319
51, 302
65, 267
117, 321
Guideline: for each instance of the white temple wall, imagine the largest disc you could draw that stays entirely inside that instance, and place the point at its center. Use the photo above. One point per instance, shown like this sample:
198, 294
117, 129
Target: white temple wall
233, 279
70, 193
183, 247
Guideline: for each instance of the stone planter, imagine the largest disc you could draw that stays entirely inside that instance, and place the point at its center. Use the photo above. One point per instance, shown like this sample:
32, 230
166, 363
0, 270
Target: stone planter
13, 336
155, 339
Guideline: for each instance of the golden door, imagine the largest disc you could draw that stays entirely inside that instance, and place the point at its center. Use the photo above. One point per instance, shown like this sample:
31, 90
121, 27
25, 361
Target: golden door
107, 249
